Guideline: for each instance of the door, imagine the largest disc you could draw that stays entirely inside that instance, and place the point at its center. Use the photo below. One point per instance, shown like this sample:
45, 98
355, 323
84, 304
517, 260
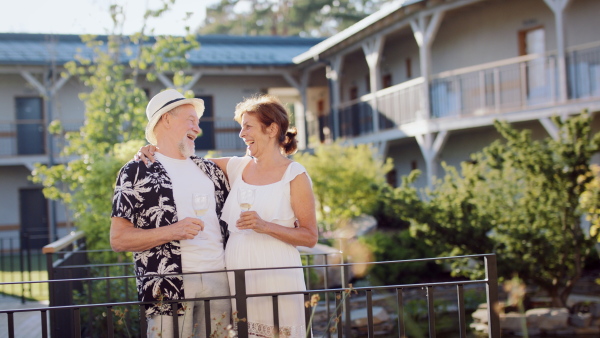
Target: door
207, 124
30, 126
34, 218
533, 41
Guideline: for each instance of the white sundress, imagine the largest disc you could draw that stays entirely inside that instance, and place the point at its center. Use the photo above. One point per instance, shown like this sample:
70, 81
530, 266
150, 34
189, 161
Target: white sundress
249, 249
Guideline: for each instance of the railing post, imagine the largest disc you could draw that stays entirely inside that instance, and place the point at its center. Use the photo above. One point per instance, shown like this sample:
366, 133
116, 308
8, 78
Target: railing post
22, 263
523, 76
11, 324
326, 286
240, 301
552, 80
430, 311
491, 275
175, 318
400, 302
347, 321
143, 321
462, 321
497, 102
482, 91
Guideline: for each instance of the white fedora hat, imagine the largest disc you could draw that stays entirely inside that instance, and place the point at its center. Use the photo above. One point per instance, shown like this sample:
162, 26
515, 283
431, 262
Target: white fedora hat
164, 102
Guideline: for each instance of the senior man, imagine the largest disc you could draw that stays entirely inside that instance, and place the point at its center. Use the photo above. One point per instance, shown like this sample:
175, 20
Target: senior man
153, 217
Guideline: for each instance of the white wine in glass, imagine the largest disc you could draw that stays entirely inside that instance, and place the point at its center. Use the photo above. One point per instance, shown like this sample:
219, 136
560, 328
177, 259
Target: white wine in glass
200, 205
246, 198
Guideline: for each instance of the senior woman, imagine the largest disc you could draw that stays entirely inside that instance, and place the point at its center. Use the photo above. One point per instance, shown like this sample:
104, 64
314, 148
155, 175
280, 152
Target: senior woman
281, 216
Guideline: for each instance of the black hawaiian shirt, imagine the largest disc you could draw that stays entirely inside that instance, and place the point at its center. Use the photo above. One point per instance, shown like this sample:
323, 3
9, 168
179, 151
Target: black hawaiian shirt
144, 196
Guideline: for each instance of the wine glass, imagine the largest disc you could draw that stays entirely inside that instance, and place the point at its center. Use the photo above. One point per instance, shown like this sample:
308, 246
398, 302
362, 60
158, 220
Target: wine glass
246, 199
200, 204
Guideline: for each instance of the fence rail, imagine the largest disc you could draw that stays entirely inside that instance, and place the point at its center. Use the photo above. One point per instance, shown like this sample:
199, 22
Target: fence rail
72, 281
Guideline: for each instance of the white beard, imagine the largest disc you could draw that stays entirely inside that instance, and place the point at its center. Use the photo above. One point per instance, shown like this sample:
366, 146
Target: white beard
185, 149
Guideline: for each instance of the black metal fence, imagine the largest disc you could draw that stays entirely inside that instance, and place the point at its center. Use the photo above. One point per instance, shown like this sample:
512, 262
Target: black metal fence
21, 259
75, 307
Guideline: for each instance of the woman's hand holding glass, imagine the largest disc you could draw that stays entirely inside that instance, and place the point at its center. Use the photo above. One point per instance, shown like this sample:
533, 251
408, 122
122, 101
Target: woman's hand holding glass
245, 197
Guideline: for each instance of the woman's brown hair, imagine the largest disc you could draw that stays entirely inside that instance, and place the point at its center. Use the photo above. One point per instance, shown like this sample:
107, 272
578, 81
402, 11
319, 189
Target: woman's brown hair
268, 109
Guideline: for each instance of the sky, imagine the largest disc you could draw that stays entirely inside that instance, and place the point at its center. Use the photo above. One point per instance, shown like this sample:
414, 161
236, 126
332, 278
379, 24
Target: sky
92, 16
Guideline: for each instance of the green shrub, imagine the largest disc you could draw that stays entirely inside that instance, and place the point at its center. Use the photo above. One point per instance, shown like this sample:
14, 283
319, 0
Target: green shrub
399, 245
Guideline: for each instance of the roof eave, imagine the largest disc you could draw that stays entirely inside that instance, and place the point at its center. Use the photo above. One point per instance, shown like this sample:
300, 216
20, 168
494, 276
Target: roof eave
318, 49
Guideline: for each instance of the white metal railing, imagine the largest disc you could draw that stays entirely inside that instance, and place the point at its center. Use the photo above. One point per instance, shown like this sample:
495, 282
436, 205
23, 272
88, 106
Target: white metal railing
507, 85
396, 105
399, 104
28, 137
520, 83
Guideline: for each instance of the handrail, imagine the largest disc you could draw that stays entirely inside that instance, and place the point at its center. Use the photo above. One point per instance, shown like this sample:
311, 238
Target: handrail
73, 311
62, 243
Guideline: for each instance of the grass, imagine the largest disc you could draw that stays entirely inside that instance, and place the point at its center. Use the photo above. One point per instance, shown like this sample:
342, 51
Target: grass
15, 268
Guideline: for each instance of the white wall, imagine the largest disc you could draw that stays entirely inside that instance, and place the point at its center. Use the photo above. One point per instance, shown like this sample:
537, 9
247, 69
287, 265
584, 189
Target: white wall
12, 179
354, 74
395, 53
488, 31
403, 154
581, 22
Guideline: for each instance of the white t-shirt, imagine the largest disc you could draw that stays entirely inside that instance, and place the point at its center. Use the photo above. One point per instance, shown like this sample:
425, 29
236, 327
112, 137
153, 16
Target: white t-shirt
197, 254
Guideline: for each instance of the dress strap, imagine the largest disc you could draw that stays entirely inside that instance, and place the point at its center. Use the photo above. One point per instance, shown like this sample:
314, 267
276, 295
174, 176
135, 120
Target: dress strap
235, 167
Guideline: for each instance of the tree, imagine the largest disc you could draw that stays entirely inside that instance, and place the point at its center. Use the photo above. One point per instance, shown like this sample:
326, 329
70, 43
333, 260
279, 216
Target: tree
285, 17
519, 198
114, 120
346, 181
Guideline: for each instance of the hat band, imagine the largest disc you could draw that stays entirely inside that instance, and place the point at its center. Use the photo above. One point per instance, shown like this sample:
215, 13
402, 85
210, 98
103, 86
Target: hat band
168, 103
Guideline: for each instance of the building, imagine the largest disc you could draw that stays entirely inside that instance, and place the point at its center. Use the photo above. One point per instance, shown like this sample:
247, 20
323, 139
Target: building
32, 93
421, 80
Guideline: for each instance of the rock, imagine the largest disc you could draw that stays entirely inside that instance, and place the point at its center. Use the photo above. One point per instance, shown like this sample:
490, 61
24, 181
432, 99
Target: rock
512, 321
483, 328
480, 316
592, 330
530, 333
592, 308
580, 319
548, 318
360, 316
567, 332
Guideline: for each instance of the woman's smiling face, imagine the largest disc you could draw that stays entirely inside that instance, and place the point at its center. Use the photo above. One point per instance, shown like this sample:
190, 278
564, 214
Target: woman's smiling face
254, 134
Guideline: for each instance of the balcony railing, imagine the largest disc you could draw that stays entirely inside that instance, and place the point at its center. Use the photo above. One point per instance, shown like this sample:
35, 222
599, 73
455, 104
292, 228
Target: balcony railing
72, 275
517, 84
28, 137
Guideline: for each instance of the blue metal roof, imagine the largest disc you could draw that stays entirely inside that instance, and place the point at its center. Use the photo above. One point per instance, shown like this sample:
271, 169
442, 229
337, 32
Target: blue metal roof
215, 50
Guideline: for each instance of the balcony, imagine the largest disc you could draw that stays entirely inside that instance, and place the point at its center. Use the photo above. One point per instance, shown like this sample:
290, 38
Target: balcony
24, 142
523, 84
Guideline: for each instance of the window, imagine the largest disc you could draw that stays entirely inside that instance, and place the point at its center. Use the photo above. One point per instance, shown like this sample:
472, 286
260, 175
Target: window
353, 93
391, 178
206, 141
386, 81
408, 66
532, 41
30, 126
